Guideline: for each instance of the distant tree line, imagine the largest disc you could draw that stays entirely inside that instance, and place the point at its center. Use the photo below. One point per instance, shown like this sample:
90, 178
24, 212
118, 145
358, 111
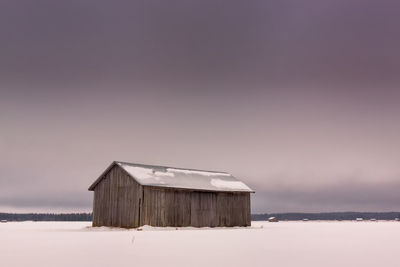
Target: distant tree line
327, 216
46, 216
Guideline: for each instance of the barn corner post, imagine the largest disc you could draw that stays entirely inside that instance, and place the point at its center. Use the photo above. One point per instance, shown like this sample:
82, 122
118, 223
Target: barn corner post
140, 209
249, 209
93, 209
132, 195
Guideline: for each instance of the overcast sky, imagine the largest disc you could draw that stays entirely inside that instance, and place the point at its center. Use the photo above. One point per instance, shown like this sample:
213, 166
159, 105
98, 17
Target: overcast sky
299, 99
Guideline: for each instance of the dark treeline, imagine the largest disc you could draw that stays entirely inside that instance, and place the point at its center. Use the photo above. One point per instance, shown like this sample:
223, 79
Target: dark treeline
46, 216
327, 216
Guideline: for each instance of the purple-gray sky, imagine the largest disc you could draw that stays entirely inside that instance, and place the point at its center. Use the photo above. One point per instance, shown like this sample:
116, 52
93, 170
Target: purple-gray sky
299, 99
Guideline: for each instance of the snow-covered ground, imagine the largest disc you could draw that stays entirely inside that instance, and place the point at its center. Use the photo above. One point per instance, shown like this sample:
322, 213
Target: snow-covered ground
263, 244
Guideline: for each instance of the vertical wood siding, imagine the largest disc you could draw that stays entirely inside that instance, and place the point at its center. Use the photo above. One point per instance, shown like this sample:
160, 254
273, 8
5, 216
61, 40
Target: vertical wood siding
116, 200
121, 202
173, 207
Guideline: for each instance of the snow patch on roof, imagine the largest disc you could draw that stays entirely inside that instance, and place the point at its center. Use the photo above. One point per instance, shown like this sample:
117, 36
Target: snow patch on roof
206, 173
138, 172
141, 173
235, 185
169, 174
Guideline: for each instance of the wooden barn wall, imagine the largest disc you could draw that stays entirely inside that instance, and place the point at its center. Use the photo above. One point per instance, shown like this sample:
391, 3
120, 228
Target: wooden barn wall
171, 207
116, 200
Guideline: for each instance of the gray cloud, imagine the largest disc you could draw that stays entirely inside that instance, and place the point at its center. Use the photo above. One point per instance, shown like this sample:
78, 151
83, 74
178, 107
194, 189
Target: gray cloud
189, 41
300, 100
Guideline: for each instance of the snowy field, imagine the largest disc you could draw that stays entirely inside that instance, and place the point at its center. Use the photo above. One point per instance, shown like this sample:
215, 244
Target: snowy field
263, 244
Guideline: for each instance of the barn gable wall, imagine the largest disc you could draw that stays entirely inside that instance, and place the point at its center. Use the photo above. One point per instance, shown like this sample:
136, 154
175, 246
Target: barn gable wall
116, 200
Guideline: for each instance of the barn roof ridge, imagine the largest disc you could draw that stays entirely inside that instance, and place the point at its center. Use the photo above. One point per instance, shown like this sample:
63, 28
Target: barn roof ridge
167, 167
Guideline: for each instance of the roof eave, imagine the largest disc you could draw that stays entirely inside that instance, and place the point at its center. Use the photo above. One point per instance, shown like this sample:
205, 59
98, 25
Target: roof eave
198, 189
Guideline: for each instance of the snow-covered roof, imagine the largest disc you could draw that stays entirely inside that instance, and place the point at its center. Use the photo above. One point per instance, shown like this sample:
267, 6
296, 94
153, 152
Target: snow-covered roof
150, 175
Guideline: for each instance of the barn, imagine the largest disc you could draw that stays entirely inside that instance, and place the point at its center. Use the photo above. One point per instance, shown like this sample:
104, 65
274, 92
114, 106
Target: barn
131, 195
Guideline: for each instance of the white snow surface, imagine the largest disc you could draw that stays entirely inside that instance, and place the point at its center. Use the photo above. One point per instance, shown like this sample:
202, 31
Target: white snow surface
263, 244
183, 178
